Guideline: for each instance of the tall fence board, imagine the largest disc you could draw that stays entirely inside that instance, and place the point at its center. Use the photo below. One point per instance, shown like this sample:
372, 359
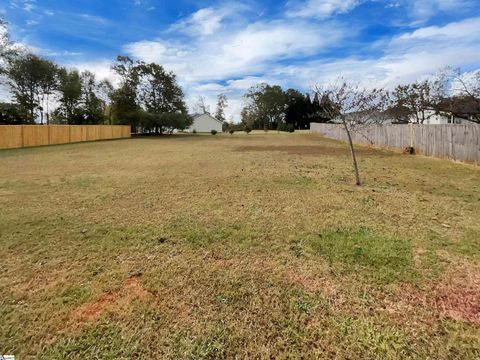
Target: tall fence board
450, 141
17, 136
11, 137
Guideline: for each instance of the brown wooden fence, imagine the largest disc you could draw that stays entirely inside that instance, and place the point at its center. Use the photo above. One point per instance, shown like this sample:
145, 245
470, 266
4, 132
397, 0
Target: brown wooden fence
452, 141
17, 136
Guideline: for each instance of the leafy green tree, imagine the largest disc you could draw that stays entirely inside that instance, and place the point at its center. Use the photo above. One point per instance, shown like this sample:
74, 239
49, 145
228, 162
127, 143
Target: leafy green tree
124, 105
7, 48
31, 78
48, 85
105, 91
92, 105
266, 105
298, 108
70, 90
164, 122
158, 90
11, 114
160, 95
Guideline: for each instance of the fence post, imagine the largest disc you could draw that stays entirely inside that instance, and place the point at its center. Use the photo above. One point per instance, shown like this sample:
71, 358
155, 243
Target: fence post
411, 135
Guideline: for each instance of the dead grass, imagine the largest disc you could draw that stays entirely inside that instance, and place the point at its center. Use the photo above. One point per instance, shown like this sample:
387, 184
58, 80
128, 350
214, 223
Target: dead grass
236, 246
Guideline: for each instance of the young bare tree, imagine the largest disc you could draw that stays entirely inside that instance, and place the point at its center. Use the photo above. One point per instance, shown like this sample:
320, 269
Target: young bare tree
222, 103
354, 107
201, 106
461, 93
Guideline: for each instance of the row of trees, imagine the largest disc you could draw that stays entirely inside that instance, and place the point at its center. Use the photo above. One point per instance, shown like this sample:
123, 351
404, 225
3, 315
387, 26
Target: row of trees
271, 108
146, 95
451, 92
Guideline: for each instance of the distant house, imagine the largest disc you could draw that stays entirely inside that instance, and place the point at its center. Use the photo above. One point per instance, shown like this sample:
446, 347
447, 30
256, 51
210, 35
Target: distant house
437, 118
205, 123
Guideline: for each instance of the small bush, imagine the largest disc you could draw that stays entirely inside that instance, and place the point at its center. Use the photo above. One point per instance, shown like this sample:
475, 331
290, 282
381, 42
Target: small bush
285, 127
247, 129
213, 132
194, 131
231, 131
281, 126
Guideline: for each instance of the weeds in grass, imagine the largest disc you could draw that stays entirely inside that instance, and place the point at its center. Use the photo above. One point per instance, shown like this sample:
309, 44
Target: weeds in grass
385, 258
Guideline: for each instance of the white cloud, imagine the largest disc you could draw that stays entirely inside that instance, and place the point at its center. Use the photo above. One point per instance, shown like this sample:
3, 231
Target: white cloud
28, 6
203, 22
208, 21
407, 57
99, 20
320, 8
462, 29
148, 51
246, 51
101, 68
425, 9
32, 22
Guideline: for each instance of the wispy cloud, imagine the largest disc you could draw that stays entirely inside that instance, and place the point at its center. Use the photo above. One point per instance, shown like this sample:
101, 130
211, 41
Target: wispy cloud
319, 8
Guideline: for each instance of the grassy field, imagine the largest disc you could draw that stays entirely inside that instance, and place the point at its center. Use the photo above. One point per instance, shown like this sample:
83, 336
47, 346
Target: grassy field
237, 246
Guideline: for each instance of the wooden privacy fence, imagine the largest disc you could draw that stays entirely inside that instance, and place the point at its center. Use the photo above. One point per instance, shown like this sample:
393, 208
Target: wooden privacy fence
17, 136
450, 141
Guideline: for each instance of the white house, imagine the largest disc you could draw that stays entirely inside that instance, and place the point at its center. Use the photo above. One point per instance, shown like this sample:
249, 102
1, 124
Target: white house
433, 118
205, 123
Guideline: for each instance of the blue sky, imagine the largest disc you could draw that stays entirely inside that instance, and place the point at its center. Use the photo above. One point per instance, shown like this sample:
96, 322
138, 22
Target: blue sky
226, 46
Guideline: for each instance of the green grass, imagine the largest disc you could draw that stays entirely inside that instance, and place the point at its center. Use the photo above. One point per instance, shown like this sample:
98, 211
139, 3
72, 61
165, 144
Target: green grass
385, 258
236, 246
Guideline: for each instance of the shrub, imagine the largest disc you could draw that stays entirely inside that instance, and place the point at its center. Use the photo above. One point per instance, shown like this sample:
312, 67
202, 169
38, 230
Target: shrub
247, 129
213, 132
194, 131
281, 126
231, 131
290, 128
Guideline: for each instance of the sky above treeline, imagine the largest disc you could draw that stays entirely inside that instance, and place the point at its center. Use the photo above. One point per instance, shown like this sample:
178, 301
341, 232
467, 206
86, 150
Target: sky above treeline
227, 46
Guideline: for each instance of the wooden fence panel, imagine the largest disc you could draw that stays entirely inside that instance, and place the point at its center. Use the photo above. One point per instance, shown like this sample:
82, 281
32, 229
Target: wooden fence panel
106, 132
75, 134
11, 137
59, 134
126, 131
116, 132
16, 136
93, 133
35, 135
449, 141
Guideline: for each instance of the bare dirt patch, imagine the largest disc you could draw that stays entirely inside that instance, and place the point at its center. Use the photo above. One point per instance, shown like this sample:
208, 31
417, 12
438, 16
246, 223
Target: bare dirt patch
112, 301
458, 296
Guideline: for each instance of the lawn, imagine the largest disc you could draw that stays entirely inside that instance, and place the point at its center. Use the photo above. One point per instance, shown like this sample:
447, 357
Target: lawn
237, 246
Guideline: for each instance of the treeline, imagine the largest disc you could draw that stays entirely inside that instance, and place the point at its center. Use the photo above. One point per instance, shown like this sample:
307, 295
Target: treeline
450, 93
271, 108
146, 95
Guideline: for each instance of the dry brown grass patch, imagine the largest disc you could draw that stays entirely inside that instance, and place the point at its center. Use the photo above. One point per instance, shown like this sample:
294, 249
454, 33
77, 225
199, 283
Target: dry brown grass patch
314, 150
112, 301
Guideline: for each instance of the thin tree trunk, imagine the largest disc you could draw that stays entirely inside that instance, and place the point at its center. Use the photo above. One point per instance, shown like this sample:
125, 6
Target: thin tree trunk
352, 150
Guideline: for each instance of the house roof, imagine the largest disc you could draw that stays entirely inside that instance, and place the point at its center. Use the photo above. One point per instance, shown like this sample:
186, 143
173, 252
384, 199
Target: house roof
209, 115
